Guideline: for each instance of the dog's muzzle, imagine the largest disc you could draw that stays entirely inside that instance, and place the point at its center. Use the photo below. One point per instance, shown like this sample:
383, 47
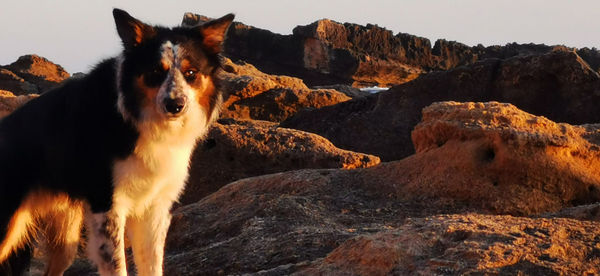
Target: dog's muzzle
174, 106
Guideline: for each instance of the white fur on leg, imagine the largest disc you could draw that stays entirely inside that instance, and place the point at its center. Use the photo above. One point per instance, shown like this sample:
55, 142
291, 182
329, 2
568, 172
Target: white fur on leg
147, 235
106, 245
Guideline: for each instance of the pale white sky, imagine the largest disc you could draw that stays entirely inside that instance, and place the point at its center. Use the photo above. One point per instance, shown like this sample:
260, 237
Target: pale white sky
78, 33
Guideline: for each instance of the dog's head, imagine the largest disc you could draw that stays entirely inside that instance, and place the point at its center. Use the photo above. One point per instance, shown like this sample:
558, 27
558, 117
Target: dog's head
167, 74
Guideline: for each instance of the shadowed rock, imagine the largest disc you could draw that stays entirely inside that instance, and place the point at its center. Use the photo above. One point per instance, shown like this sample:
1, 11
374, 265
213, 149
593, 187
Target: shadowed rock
239, 149
328, 52
252, 94
558, 85
9, 81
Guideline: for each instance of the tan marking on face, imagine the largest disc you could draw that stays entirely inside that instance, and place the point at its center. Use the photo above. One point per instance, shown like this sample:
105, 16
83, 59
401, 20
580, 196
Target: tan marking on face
164, 65
206, 91
186, 65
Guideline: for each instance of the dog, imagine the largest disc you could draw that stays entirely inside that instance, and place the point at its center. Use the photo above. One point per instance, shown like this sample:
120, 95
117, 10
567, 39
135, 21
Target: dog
109, 151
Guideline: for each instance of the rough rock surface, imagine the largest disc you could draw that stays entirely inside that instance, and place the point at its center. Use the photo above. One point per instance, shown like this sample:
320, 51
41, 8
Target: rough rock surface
255, 95
9, 81
558, 85
503, 159
278, 220
9, 102
469, 244
239, 149
38, 71
387, 219
328, 52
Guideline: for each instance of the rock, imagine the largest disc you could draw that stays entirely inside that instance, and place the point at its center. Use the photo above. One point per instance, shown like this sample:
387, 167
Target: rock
582, 212
451, 54
280, 221
413, 216
9, 102
513, 162
279, 104
350, 91
327, 52
9, 81
78, 75
255, 95
38, 71
239, 149
469, 244
558, 85
591, 56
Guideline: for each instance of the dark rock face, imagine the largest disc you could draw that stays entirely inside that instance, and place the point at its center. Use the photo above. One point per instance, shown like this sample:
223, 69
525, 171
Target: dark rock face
9, 81
327, 52
558, 85
252, 94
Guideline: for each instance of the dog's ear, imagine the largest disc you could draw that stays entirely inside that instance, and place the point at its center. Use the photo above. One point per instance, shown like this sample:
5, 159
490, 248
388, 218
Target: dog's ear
131, 30
213, 33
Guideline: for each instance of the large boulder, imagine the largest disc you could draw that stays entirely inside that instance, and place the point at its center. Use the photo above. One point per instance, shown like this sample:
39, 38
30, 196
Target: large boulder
558, 85
252, 94
487, 158
39, 71
239, 149
502, 159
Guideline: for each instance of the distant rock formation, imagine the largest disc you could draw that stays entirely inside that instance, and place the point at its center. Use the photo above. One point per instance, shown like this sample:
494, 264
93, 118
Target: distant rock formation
558, 85
31, 74
327, 52
9, 81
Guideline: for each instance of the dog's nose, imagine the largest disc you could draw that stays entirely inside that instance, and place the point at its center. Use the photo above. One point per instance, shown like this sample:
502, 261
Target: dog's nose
174, 106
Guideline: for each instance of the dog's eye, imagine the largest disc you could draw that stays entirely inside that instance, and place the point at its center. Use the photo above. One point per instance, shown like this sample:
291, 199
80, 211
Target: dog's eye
190, 75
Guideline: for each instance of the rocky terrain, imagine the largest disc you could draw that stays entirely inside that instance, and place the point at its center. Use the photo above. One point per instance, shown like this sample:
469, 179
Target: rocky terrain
479, 161
441, 211
559, 85
31, 74
329, 52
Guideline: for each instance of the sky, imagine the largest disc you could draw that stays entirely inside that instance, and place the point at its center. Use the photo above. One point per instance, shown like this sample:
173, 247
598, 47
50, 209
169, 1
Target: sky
79, 33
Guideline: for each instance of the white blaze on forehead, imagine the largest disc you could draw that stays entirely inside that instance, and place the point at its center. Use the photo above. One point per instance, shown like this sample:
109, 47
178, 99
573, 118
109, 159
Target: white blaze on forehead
168, 53
171, 54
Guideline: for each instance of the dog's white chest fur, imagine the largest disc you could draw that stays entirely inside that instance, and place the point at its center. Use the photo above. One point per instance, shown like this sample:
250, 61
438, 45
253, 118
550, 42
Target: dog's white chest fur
157, 170
152, 171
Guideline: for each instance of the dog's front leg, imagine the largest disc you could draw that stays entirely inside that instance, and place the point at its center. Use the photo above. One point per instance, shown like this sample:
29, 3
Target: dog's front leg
106, 245
147, 235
